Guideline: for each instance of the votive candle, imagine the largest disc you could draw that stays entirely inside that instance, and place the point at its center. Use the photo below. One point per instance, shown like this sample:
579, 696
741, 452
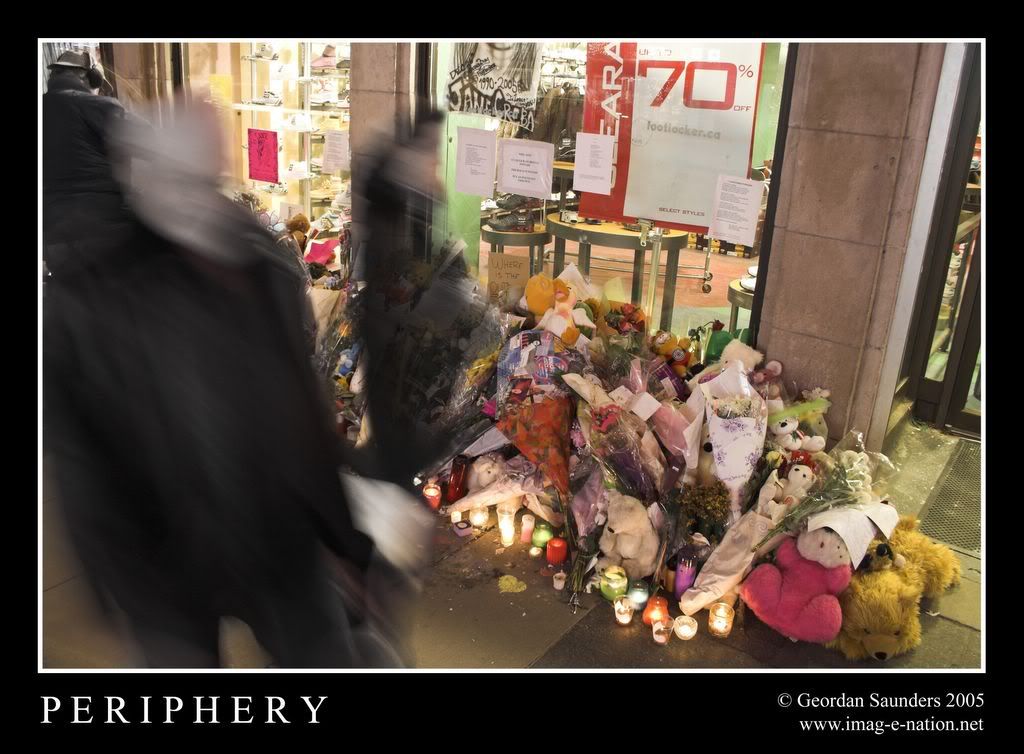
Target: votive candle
559, 581
662, 631
720, 619
624, 610
432, 494
526, 532
685, 627
479, 516
558, 550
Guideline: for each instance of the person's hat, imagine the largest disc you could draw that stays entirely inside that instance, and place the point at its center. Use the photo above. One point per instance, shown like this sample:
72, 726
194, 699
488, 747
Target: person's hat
72, 59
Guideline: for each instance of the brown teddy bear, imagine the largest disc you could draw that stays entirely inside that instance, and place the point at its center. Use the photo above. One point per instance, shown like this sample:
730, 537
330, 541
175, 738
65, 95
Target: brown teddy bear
882, 605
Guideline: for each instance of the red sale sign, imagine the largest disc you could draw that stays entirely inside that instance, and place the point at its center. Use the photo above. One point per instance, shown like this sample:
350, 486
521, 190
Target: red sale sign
682, 114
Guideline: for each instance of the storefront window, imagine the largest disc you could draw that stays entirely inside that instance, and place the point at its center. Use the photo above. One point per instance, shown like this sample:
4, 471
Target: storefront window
286, 115
699, 278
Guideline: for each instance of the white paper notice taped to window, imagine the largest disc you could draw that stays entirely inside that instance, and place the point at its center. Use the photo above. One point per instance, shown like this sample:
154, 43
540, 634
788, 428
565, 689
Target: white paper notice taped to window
734, 215
593, 171
474, 162
335, 151
525, 167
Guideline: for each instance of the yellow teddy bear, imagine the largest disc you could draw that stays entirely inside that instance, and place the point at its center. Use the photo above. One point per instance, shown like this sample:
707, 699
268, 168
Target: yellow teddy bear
882, 604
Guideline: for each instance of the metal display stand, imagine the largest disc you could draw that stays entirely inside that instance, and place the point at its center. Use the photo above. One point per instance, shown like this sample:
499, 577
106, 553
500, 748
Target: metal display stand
536, 241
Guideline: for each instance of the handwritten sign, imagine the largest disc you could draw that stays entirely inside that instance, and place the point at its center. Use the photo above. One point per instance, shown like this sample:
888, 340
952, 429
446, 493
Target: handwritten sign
506, 278
263, 155
336, 155
526, 167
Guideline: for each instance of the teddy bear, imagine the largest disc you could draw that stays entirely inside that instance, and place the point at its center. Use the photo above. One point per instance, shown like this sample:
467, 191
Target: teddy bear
484, 471
797, 595
786, 435
882, 607
675, 351
629, 538
798, 480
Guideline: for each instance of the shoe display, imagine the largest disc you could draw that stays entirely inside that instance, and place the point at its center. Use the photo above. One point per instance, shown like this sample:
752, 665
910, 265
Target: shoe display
324, 92
520, 221
269, 98
300, 122
327, 59
264, 51
514, 201
488, 204
278, 189
297, 171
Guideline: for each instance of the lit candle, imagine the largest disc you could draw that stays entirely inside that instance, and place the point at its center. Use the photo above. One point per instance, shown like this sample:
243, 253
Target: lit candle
507, 516
508, 534
638, 592
526, 534
559, 580
685, 627
686, 574
614, 583
536, 552
662, 630
479, 516
541, 534
432, 494
558, 550
720, 619
624, 611
456, 516
656, 610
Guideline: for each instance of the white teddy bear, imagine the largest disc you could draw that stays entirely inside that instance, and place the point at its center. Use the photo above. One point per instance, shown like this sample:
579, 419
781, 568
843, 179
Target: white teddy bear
484, 471
794, 488
788, 437
629, 538
823, 546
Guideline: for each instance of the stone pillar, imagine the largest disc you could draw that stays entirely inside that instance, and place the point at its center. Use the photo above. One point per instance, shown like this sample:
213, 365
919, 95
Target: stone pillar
144, 76
854, 152
380, 96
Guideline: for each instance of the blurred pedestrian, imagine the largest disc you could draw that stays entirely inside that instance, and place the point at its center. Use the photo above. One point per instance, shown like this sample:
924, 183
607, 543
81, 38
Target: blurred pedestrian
195, 454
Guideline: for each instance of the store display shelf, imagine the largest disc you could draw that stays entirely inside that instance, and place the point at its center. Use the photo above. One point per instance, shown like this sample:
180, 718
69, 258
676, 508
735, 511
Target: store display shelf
247, 107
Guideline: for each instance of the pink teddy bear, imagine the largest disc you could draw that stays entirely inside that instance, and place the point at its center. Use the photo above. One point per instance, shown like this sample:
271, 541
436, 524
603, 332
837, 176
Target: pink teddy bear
796, 596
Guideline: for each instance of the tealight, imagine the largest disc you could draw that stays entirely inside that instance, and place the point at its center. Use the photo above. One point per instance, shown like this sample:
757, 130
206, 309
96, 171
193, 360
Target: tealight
720, 617
685, 627
479, 517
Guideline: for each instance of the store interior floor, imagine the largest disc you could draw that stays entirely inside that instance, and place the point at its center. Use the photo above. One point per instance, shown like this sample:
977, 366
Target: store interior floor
469, 617
692, 308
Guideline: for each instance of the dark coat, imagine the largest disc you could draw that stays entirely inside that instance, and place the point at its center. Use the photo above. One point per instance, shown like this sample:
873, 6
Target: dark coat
196, 460
78, 181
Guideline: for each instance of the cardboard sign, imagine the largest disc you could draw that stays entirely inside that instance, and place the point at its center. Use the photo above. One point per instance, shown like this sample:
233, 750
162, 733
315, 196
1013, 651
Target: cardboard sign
263, 161
506, 278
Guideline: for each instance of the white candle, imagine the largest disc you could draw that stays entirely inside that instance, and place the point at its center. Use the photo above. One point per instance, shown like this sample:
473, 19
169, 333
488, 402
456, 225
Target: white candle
559, 580
662, 631
624, 609
720, 619
536, 552
508, 534
456, 516
479, 517
685, 627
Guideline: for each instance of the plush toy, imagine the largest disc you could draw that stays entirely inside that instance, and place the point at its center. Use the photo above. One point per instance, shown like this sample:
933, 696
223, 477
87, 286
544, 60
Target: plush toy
629, 538
786, 436
881, 609
298, 226
799, 478
484, 471
770, 372
676, 351
797, 595
540, 294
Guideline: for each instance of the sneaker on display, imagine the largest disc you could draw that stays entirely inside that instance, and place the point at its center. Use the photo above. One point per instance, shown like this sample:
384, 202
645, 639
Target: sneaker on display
269, 98
488, 204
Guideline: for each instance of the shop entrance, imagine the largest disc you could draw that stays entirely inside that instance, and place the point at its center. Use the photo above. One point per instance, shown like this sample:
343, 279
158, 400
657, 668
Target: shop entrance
941, 371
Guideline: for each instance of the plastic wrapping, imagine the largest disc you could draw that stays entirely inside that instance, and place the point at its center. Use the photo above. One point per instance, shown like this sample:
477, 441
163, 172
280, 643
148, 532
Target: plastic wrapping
616, 445
540, 430
847, 475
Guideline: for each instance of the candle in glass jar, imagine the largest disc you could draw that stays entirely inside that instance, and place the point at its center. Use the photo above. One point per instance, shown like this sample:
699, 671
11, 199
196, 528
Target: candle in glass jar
662, 631
479, 516
457, 479
526, 533
614, 583
558, 550
720, 619
657, 609
559, 580
624, 610
541, 534
638, 592
508, 534
536, 552
685, 627
432, 494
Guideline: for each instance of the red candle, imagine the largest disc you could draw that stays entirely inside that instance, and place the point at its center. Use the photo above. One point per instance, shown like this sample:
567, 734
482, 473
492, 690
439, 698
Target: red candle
558, 550
457, 479
657, 609
432, 494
